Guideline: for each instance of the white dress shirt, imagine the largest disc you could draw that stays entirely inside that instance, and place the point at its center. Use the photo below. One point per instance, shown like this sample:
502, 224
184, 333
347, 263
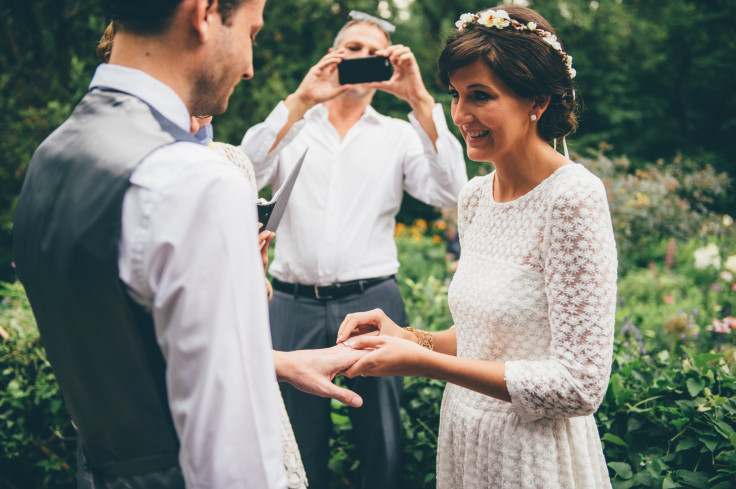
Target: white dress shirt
189, 254
339, 222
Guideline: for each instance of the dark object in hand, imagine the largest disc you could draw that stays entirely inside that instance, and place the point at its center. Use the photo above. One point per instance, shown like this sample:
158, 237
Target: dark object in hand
364, 70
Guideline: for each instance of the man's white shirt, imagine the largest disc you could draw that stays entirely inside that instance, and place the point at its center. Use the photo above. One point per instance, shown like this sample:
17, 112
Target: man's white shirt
188, 253
339, 223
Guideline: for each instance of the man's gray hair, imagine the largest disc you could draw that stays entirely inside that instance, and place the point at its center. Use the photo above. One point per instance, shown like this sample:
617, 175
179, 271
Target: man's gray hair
357, 17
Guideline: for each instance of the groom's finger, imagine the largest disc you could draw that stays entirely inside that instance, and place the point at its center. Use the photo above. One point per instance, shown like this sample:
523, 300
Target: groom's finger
345, 396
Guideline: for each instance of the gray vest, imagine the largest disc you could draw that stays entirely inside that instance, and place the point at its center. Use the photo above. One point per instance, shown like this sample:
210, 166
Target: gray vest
101, 344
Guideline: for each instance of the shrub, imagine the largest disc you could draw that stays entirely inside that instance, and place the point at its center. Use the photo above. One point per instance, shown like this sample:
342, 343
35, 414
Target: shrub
36, 436
655, 203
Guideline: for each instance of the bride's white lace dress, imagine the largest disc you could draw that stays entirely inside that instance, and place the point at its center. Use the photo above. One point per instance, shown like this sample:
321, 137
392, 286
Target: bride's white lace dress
535, 288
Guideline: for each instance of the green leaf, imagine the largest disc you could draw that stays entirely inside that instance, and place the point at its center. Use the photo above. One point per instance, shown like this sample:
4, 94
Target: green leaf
686, 444
724, 428
703, 359
622, 469
710, 443
614, 439
694, 386
679, 423
728, 458
695, 479
668, 483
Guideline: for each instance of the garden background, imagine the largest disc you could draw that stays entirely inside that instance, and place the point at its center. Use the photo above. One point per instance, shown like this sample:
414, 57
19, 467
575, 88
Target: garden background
657, 125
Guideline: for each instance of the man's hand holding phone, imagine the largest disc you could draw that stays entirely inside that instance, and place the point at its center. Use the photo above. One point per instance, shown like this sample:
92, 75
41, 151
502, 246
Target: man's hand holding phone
406, 81
319, 85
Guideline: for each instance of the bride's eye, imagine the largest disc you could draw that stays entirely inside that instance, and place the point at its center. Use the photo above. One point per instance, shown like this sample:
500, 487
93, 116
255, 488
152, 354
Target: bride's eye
478, 95
453, 93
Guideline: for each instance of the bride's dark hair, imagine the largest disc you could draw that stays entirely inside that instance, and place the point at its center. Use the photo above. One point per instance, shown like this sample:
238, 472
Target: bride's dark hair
522, 60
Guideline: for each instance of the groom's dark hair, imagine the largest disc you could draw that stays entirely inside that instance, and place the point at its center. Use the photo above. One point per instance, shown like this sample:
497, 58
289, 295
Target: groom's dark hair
154, 16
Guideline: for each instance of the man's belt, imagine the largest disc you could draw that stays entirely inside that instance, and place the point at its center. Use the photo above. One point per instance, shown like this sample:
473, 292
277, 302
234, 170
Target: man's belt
329, 291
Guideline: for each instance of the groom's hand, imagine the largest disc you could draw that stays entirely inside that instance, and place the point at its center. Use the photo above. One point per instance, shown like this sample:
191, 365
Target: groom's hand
312, 371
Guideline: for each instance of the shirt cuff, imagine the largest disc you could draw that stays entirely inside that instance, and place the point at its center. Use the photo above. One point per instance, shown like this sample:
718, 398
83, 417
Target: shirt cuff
438, 117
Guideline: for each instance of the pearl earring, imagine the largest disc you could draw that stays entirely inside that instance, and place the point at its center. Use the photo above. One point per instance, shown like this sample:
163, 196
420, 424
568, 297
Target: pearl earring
533, 117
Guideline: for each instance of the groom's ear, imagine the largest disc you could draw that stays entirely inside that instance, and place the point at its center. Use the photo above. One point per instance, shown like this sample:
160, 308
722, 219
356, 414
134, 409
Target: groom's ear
204, 14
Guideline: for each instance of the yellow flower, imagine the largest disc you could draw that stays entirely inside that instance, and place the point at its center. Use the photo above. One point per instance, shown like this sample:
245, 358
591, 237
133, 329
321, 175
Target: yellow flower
642, 200
436, 239
440, 225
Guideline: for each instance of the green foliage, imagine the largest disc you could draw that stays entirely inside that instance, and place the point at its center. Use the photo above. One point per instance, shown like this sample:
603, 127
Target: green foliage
36, 437
669, 421
654, 78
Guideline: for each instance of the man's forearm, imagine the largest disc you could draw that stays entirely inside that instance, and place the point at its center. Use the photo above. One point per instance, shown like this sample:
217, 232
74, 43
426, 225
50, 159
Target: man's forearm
297, 108
423, 108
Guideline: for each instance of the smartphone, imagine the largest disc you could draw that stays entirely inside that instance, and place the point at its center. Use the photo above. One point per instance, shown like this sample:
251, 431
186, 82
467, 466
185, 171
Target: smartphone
363, 70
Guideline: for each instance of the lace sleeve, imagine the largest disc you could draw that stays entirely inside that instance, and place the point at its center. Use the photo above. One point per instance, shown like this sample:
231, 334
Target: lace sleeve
580, 270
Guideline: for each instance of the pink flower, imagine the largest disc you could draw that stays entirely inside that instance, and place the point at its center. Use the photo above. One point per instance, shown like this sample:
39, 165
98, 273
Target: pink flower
733, 286
715, 287
719, 326
669, 299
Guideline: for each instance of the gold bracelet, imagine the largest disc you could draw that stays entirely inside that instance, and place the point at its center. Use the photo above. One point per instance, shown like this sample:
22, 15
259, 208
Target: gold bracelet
425, 337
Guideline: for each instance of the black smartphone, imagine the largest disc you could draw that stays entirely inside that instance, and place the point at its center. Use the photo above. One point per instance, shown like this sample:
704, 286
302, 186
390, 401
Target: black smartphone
363, 70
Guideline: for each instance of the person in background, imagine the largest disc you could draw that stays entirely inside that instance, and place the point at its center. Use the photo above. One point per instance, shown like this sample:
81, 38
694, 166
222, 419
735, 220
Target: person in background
142, 267
335, 252
534, 296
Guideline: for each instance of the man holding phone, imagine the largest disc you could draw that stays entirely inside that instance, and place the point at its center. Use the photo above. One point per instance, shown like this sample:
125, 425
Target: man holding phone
335, 252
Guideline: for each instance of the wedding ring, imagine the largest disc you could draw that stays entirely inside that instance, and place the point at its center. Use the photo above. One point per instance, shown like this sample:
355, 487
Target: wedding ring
363, 374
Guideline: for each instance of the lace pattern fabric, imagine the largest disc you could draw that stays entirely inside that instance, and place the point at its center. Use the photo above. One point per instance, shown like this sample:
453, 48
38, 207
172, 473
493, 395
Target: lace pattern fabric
535, 288
236, 156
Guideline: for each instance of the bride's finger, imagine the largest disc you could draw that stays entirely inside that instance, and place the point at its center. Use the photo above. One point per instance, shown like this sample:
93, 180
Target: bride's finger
364, 342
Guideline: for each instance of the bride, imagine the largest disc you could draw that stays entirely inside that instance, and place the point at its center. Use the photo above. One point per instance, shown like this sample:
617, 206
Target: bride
533, 299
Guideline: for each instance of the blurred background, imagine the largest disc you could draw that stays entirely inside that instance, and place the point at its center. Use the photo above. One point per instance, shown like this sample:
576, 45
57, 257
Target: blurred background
653, 76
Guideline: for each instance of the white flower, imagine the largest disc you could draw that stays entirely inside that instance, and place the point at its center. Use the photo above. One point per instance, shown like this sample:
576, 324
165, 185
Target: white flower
551, 39
727, 220
501, 19
726, 276
465, 19
572, 72
730, 264
531, 26
486, 18
707, 256
495, 18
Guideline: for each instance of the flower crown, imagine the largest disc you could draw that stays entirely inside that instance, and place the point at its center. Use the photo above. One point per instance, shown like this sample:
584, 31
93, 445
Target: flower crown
500, 19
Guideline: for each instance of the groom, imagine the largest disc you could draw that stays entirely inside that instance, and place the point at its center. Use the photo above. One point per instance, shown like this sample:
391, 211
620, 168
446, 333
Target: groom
137, 248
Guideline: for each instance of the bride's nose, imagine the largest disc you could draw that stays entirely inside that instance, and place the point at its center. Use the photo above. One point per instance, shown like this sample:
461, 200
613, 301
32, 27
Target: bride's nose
460, 113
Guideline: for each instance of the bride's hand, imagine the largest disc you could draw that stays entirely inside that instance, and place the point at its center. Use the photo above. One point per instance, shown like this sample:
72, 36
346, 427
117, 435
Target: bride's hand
386, 356
373, 322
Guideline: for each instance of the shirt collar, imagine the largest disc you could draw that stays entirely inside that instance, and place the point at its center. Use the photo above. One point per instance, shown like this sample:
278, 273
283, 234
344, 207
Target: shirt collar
145, 87
319, 111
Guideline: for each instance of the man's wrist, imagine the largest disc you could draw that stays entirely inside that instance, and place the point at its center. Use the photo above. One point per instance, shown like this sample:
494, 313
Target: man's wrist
422, 104
281, 363
298, 105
